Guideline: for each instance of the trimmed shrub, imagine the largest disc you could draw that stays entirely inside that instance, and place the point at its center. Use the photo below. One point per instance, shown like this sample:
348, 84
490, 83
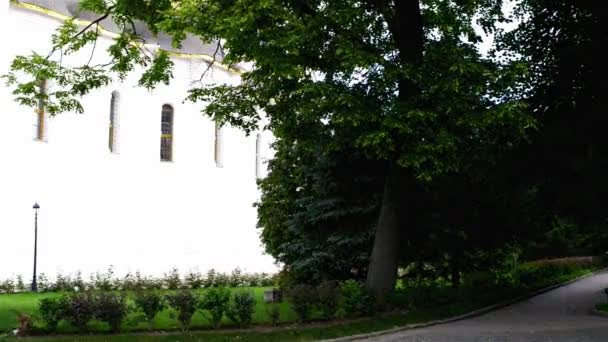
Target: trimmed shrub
241, 309
216, 300
131, 283
303, 298
62, 284
7, 286
356, 300
209, 280
194, 280
222, 280
78, 309
268, 280
328, 293
185, 303
51, 311
150, 303
78, 283
171, 280
236, 278
104, 281
43, 283
20, 286
111, 308
274, 313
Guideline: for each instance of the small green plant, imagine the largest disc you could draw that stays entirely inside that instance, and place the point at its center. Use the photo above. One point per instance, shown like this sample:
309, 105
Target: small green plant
194, 280
274, 313
505, 272
150, 303
104, 281
236, 278
111, 308
215, 300
356, 300
62, 283
303, 298
241, 309
78, 309
78, 283
51, 312
20, 286
185, 303
7, 286
43, 283
222, 280
328, 293
209, 280
172, 280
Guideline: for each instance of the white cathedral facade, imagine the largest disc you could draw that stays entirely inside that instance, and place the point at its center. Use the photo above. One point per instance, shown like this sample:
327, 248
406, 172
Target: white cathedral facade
142, 180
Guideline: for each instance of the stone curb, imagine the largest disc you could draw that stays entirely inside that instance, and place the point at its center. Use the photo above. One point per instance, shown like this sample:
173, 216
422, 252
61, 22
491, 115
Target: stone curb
471, 314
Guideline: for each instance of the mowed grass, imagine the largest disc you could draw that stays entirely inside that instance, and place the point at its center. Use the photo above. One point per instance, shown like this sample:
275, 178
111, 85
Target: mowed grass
13, 304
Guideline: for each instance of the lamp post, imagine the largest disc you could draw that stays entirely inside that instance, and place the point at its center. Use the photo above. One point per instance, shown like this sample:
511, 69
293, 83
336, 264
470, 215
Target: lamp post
36, 207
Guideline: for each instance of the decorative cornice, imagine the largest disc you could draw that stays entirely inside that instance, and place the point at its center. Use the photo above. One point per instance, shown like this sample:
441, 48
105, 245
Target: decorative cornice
59, 16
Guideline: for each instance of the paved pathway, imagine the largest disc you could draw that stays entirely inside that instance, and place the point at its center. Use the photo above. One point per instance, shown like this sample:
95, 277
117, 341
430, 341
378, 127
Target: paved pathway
561, 315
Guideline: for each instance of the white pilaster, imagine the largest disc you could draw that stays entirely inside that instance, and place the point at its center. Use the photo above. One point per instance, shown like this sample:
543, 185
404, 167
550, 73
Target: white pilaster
4, 53
219, 147
258, 157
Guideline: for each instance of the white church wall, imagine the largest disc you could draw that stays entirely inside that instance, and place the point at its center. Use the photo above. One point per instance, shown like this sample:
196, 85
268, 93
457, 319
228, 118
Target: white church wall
126, 209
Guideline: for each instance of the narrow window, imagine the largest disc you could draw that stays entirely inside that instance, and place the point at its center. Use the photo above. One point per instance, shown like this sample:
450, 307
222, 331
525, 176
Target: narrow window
258, 158
218, 155
166, 136
114, 117
41, 113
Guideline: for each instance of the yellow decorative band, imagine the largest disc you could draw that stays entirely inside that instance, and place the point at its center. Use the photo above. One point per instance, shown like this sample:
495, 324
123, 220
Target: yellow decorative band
105, 32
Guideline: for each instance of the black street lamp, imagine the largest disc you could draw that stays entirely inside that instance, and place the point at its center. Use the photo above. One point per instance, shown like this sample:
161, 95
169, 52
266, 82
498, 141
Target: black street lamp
36, 207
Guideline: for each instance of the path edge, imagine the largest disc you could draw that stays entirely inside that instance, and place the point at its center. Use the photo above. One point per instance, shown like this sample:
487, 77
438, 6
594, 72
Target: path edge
471, 314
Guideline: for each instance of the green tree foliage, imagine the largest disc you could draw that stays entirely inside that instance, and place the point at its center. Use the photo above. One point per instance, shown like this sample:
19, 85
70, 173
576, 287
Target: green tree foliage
563, 167
400, 85
317, 212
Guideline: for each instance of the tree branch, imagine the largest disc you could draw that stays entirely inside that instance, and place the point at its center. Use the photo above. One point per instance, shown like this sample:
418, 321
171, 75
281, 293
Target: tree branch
94, 22
210, 64
94, 44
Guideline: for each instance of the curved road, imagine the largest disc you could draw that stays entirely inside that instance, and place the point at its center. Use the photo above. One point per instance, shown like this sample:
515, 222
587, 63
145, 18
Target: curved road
558, 315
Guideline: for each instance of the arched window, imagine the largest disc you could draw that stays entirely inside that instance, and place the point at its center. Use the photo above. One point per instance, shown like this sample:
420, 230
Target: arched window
166, 134
41, 113
114, 122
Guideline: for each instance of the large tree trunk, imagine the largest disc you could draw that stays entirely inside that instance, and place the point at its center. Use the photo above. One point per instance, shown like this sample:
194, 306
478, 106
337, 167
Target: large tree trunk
382, 271
405, 24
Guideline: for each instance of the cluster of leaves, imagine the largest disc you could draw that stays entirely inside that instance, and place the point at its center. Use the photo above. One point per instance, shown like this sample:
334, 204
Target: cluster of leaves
349, 298
107, 281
